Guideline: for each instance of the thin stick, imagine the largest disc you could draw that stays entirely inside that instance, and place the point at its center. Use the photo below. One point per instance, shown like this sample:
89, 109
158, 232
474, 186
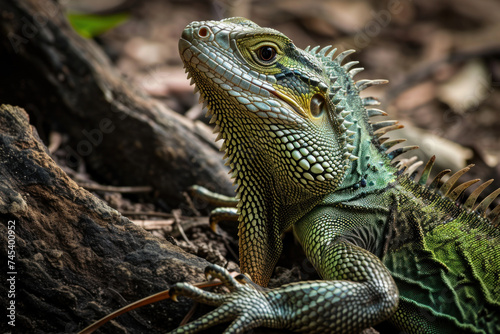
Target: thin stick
100, 187
177, 220
147, 213
143, 302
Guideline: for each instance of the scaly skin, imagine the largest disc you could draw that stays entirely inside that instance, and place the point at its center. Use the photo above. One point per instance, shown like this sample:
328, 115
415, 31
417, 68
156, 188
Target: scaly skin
304, 155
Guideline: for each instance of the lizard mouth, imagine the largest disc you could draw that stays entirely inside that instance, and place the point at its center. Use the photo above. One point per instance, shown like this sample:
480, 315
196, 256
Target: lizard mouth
183, 46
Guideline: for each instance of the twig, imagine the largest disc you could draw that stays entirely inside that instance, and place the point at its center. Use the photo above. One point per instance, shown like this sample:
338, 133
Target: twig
125, 302
177, 220
187, 222
227, 243
146, 301
188, 315
147, 213
99, 187
191, 204
154, 224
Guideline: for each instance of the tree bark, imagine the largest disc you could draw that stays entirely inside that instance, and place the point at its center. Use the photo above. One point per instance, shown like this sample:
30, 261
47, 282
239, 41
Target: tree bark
124, 137
74, 258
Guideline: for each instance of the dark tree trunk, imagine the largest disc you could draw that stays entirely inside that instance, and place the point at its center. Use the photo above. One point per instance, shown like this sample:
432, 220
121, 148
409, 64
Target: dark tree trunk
123, 136
75, 259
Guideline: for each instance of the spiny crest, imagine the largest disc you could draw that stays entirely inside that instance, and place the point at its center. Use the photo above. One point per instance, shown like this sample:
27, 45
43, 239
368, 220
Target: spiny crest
447, 189
410, 166
379, 129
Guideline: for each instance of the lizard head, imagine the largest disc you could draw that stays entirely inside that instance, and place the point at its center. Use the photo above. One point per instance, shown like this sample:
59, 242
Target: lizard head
274, 105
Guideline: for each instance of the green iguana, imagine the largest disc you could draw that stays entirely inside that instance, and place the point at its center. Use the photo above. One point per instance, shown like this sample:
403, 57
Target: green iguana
305, 156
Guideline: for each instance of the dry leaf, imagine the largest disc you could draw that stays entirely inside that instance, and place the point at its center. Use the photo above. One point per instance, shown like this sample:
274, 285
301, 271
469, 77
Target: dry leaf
467, 88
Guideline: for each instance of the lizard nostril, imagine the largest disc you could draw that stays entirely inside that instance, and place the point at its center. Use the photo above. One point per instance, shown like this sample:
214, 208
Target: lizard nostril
203, 32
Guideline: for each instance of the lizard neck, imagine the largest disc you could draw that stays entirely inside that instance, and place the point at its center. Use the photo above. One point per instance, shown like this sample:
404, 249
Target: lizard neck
260, 180
372, 171
268, 204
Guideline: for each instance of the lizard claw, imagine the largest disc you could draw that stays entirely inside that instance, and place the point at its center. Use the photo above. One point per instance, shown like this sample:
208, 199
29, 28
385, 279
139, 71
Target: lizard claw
246, 305
214, 271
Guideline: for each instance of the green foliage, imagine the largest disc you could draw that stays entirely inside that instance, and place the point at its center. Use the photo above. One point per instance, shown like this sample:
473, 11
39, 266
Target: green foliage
88, 25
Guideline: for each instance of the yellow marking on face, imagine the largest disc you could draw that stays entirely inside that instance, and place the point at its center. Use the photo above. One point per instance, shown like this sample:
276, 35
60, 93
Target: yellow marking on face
313, 106
296, 105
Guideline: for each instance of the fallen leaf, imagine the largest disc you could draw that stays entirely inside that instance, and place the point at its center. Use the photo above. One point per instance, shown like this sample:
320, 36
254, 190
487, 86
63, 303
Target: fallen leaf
467, 88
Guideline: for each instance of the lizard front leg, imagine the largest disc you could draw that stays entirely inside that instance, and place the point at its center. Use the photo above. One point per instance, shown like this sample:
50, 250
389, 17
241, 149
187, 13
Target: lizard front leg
338, 306
358, 291
370, 294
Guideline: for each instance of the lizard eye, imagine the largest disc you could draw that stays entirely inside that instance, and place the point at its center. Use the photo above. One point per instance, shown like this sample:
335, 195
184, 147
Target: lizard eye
318, 105
267, 54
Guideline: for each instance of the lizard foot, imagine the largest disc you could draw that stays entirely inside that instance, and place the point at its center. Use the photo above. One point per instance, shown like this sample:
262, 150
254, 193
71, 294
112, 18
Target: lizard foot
247, 305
